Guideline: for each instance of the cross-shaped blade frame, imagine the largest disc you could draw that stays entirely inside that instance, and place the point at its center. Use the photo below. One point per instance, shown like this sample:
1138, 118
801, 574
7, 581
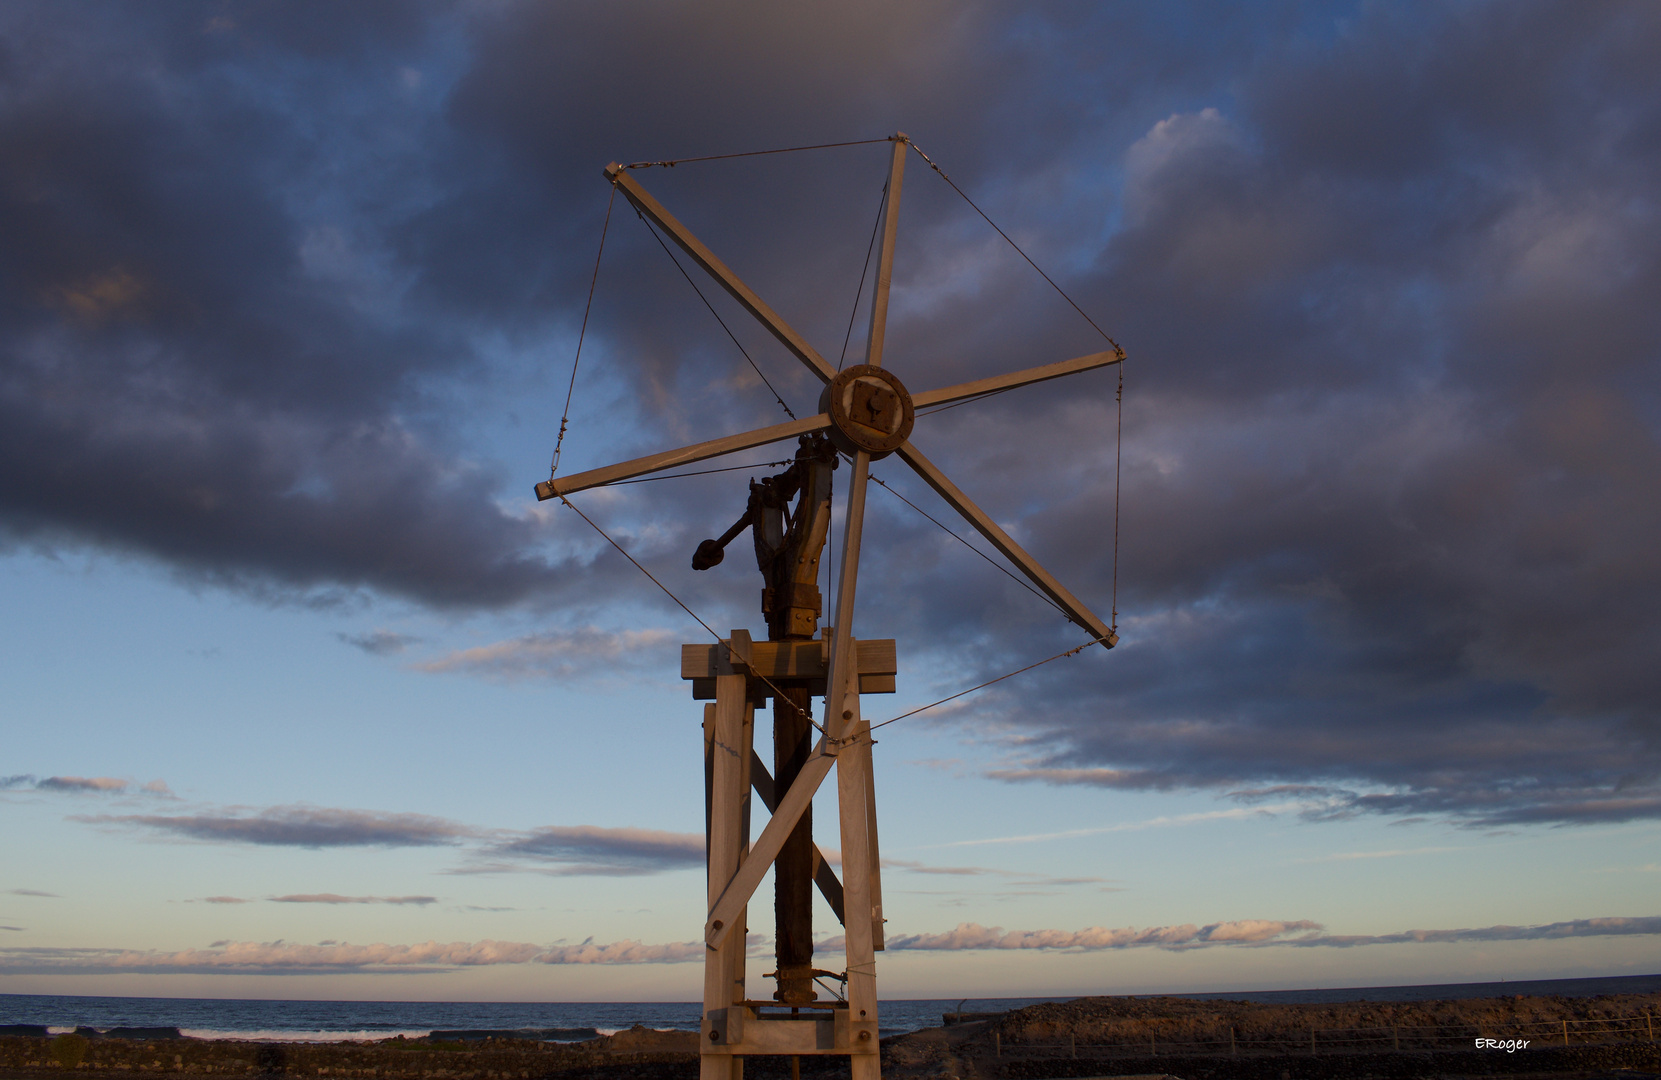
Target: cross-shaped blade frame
841, 705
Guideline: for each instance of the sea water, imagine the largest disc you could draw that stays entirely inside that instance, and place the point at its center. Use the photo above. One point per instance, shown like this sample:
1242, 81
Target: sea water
335, 1021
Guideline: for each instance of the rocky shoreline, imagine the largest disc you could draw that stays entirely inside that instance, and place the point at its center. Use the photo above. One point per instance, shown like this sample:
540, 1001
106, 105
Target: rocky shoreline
1606, 1036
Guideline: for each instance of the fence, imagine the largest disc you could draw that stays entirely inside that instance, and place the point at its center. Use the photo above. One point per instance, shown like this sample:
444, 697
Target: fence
1530, 1035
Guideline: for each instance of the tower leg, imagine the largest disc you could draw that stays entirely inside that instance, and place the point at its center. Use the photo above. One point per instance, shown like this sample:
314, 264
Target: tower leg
853, 804
728, 747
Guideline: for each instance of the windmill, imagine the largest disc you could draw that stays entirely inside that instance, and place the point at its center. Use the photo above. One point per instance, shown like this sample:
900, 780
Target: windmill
865, 413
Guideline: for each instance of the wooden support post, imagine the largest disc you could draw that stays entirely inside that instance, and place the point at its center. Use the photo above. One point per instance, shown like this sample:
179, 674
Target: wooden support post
729, 750
861, 954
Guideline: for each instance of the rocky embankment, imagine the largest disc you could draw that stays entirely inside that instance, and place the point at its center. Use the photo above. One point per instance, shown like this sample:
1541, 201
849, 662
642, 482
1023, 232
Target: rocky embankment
1089, 1037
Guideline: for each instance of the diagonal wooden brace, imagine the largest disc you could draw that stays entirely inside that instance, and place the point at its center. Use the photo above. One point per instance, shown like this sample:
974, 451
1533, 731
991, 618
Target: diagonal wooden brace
743, 884
830, 886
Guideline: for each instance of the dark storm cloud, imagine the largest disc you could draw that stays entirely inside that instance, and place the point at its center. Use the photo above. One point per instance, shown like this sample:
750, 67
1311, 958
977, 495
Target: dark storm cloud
1390, 477
298, 826
1386, 276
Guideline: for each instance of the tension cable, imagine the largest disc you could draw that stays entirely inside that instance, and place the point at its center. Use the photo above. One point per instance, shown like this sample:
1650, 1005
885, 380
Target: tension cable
712, 311
1014, 245
565, 417
779, 694
751, 153
924, 708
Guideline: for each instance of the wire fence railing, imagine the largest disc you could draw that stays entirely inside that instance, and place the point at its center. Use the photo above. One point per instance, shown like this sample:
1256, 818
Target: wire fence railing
1224, 1040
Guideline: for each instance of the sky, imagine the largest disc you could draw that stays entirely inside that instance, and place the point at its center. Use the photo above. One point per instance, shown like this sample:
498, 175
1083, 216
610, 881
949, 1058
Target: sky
306, 696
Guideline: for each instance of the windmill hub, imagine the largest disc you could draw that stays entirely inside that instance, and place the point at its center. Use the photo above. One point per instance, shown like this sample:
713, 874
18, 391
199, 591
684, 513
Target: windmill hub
869, 409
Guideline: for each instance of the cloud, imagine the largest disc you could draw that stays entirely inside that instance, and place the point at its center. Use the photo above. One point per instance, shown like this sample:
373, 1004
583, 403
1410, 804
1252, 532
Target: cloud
379, 642
32, 892
1163, 821
563, 655
224, 900
1394, 853
84, 785
1575, 928
297, 826
284, 958
1255, 933
557, 850
18, 929
335, 898
974, 936
590, 849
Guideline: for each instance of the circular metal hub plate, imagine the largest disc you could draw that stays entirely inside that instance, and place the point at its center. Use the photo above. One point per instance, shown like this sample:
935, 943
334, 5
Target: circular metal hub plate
869, 408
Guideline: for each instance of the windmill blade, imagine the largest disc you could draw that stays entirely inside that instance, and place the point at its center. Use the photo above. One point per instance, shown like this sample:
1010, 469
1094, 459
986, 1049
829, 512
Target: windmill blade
717, 269
1001, 540
668, 459
963, 391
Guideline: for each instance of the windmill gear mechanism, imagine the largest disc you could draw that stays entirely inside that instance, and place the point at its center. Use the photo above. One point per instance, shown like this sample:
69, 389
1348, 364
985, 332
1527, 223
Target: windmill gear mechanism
865, 413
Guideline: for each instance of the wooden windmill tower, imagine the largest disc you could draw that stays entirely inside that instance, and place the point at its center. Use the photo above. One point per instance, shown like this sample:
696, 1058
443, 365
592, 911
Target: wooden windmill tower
865, 413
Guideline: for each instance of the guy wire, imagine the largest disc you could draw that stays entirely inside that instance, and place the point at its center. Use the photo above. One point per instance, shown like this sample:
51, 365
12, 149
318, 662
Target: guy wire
712, 311
751, 153
949, 532
564, 420
860, 290
923, 708
1118, 455
779, 694
1014, 245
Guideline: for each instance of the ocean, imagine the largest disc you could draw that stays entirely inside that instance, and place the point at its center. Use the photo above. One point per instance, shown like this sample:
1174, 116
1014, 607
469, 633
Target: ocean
336, 1021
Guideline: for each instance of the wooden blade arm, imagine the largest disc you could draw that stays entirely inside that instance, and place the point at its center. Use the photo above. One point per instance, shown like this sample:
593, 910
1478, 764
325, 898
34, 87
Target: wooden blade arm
885, 255
1001, 540
565, 485
947, 395
717, 269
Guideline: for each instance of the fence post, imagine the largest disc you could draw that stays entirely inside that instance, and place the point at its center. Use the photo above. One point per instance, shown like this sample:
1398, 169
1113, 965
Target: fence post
1072, 1042
1395, 1035
1232, 1051
1565, 1033
1649, 1024
1311, 1040
997, 1044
